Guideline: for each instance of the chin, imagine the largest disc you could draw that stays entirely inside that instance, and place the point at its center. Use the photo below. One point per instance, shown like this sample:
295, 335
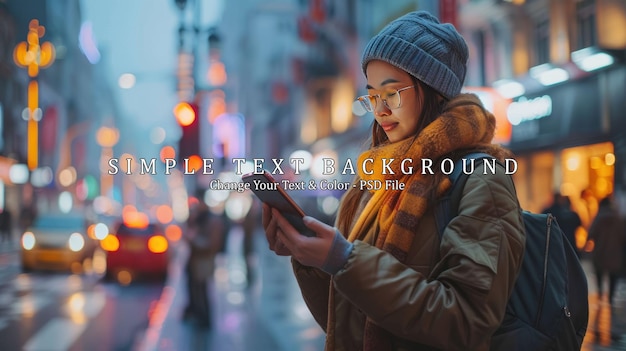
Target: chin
396, 138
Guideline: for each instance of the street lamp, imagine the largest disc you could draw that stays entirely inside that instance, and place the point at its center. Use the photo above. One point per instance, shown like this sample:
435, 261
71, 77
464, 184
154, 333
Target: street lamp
33, 56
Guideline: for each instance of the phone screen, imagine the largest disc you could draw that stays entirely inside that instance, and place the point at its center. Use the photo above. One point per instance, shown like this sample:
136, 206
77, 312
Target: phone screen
268, 190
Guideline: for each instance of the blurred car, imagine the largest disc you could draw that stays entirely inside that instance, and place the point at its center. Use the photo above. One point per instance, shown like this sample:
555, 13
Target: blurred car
57, 242
136, 252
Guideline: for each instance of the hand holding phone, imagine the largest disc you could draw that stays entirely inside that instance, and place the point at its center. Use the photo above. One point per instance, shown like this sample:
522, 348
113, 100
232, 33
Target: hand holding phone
268, 190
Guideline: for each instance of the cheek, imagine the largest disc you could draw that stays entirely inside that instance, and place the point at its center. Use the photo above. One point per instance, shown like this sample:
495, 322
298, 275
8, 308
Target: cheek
415, 107
411, 124
411, 116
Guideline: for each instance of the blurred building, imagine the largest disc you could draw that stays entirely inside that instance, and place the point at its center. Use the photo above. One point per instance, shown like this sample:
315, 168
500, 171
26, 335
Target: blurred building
72, 99
561, 64
294, 72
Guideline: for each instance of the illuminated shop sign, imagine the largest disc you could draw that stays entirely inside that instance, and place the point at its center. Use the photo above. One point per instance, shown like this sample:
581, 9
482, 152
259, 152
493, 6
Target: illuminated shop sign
568, 113
526, 109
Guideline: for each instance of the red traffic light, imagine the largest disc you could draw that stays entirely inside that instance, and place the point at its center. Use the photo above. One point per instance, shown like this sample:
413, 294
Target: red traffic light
187, 116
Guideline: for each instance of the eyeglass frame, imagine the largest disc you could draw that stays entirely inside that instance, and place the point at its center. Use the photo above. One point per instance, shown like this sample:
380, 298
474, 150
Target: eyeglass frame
377, 96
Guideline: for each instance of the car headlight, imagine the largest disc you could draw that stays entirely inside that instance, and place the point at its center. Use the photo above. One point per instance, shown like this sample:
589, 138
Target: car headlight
28, 241
76, 242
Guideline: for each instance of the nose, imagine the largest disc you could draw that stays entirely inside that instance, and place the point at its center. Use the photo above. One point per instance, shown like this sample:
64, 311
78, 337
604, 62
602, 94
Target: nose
381, 108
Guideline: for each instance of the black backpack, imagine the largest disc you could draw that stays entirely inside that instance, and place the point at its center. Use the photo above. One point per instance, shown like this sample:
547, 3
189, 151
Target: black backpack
548, 308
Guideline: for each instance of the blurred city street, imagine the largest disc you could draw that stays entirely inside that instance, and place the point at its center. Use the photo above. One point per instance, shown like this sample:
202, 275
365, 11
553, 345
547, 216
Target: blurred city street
268, 314
126, 127
607, 324
272, 316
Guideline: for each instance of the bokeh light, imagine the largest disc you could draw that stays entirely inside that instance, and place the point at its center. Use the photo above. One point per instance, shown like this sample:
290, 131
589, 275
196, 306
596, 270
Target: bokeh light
173, 232
126, 81
164, 214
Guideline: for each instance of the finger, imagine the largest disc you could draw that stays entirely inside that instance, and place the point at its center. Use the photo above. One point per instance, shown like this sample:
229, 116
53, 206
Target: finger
320, 228
290, 234
281, 249
285, 242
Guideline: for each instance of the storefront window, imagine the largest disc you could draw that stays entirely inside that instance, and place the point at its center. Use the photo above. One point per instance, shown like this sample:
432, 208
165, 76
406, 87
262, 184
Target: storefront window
587, 177
534, 180
585, 174
588, 167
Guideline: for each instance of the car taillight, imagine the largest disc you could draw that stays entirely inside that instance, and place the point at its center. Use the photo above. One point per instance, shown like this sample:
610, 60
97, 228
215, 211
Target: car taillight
110, 243
157, 244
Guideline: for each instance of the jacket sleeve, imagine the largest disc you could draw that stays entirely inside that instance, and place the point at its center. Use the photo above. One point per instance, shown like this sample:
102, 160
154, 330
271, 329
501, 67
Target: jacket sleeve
463, 301
314, 285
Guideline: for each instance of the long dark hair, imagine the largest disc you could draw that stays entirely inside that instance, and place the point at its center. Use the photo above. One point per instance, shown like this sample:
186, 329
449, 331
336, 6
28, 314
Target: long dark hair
432, 106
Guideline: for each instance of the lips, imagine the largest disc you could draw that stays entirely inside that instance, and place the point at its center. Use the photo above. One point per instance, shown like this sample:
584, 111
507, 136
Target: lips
388, 126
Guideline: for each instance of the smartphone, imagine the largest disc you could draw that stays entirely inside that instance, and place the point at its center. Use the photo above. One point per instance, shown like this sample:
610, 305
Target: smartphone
269, 191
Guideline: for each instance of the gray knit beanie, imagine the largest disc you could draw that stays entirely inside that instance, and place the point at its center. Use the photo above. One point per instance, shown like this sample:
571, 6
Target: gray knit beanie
432, 52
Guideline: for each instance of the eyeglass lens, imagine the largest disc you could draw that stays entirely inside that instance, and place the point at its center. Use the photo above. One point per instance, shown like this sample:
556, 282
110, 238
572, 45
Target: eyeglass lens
390, 98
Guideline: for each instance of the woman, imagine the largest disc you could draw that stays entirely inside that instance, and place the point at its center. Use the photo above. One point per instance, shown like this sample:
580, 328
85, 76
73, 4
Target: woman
382, 279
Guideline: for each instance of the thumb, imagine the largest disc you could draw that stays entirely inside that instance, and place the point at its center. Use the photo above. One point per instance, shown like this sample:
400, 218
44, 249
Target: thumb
320, 228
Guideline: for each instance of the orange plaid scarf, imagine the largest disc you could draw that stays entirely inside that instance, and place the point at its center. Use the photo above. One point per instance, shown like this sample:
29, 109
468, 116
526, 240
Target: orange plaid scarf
464, 124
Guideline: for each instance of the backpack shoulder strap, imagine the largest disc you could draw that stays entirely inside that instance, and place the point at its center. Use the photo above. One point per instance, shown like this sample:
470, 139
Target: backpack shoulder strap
448, 205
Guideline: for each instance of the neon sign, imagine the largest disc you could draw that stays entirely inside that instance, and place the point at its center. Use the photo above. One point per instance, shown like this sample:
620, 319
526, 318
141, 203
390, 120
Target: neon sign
529, 109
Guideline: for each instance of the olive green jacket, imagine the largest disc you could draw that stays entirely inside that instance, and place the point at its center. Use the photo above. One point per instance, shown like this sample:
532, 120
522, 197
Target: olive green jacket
449, 295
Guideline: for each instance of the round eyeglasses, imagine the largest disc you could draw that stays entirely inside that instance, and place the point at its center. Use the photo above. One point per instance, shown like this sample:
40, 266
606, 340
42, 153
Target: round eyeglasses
391, 99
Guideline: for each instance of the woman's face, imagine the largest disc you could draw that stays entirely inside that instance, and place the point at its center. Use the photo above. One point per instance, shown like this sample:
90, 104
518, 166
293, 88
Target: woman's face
383, 79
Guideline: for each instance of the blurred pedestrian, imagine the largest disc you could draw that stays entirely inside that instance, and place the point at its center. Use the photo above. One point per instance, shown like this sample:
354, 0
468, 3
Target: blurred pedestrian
608, 234
6, 226
568, 220
205, 232
586, 207
383, 279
